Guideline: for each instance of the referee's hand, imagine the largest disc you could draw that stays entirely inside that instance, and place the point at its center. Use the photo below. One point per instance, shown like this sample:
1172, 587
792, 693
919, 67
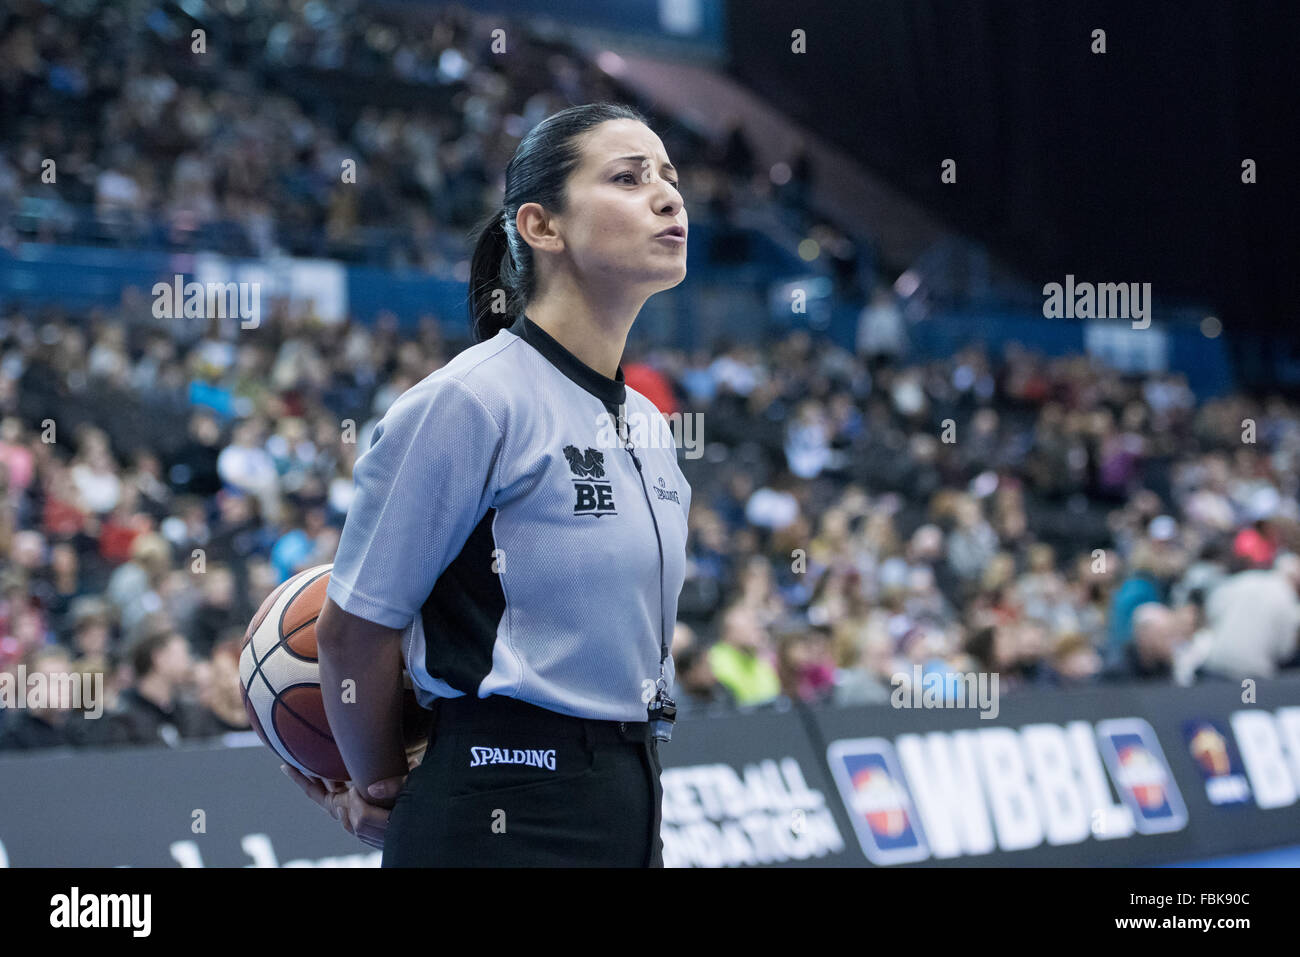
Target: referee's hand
367, 821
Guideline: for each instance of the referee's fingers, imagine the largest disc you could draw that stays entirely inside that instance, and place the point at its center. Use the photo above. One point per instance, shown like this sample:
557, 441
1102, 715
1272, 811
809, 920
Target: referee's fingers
314, 788
341, 812
343, 803
362, 819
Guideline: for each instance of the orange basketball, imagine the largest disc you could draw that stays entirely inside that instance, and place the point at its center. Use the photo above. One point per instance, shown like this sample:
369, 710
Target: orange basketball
279, 677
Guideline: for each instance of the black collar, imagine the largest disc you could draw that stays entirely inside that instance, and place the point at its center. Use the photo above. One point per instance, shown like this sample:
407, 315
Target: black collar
610, 391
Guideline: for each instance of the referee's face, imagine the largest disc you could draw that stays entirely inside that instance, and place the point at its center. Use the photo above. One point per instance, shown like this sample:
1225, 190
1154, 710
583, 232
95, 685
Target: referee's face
621, 196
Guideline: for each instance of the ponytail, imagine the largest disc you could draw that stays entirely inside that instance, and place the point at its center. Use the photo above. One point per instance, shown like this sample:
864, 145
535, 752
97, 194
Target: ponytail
493, 280
501, 273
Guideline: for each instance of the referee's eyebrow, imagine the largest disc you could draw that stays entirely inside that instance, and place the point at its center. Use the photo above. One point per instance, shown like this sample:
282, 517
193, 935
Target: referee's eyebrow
641, 159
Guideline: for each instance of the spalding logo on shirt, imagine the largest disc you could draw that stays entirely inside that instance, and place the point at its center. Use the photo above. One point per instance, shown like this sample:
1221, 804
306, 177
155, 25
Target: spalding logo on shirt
667, 494
531, 757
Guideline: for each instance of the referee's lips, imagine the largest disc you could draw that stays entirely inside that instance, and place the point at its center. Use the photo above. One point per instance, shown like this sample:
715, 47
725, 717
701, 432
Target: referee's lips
672, 233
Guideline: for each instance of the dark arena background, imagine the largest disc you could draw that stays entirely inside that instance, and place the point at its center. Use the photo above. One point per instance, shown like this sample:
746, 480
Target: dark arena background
984, 375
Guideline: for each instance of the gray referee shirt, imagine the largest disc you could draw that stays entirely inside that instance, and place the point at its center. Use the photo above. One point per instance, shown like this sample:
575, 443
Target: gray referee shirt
499, 521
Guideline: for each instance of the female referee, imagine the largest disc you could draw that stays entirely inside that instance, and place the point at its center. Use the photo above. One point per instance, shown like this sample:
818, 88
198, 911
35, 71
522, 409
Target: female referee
520, 541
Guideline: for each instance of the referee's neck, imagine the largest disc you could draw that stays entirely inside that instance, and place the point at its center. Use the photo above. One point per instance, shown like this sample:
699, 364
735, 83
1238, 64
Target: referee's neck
595, 337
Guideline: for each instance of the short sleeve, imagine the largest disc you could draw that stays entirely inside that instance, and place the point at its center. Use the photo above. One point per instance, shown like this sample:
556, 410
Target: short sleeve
420, 488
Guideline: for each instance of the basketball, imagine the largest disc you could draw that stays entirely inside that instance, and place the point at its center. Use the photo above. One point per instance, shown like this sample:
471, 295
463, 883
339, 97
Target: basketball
279, 677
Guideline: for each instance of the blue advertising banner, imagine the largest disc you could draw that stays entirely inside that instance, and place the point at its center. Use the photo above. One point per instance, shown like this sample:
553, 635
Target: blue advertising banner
1115, 776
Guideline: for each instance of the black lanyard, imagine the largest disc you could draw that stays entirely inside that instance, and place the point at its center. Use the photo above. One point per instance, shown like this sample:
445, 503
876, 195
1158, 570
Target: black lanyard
661, 710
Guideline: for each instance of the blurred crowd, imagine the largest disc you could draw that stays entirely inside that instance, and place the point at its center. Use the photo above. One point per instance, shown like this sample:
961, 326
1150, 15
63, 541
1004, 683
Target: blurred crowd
1047, 519
166, 155
853, 516
313, 129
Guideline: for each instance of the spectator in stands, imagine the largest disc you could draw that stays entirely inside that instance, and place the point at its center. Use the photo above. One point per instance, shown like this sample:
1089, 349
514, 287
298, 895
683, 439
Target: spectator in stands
16, 458
1041, 591
304, 544
1253, 621
239, 532
94, 472
805, 663
1030, 637
155, 708
838, 603
683, 637
696, 690
22, 625
1156, 644
989, 647
867, 679
247, 467
924, 602
91, 634
59, 587
1204, 575
1256, 545
218, 609
1074, 661
135, 588
217, 681
187, 527
880, 331
1141, 587
742, 660
55, 725
63, 515
145, 480
1086, 602
193, 468
758, 592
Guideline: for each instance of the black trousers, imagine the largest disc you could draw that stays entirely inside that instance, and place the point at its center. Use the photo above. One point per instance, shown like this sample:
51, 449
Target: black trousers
508, 784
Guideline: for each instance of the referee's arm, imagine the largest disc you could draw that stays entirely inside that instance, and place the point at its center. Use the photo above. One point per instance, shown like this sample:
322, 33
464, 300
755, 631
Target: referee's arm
420, 489
368, 727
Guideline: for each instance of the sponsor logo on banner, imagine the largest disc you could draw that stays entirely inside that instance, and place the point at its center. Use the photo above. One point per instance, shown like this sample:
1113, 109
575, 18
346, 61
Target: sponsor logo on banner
1269, 744
1141, 773
871, 784
714, 817
973, 792
1215, 756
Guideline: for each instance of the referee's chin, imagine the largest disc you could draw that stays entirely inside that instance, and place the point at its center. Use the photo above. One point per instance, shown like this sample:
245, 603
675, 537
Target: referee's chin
667, 278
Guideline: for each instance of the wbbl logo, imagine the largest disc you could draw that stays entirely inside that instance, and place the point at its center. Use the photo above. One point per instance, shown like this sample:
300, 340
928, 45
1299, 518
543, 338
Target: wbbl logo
593, 497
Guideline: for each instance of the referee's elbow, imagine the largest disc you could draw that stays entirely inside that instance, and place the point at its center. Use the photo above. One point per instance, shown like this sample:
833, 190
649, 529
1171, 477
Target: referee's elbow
339, 630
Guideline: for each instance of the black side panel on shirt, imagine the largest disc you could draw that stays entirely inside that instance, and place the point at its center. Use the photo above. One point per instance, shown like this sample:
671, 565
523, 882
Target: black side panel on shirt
462, 612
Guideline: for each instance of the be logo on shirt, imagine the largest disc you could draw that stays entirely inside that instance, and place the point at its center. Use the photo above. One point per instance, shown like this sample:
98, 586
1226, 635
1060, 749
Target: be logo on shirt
594, 493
